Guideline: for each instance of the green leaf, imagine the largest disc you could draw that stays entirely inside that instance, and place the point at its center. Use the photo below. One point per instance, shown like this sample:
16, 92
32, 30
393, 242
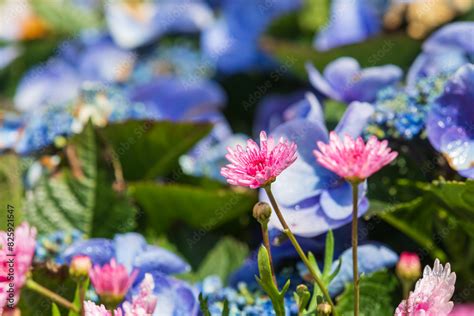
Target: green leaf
79, 199
65, 17
223, 259
204, 208
77, 296
149, 149
458, 197
11, 188
266, 282
328, 253
376, 296
203, 301
373, 52
55, 310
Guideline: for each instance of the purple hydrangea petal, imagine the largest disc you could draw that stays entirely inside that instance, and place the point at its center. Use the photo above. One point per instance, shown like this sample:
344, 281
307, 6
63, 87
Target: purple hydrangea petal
454, 36
350, 22
175, 99
132, 27
175, 297
99, 250
458, 148
321, 84
52, 83
105, 62
155, 259
365, 86
340, 73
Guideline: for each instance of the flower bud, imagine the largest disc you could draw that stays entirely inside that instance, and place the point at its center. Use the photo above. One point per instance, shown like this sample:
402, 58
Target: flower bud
408, 267
324, 309
80, 266
301, 289
262, 212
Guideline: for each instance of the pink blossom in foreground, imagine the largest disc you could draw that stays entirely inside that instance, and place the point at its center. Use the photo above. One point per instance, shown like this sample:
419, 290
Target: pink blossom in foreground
352, 159
463, 310
143, 304
409, 266
91, 309
432, 293
111, 281
22, 250
256, 166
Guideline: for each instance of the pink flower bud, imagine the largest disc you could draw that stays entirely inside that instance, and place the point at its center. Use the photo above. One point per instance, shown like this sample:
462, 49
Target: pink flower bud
80, 266
409, 266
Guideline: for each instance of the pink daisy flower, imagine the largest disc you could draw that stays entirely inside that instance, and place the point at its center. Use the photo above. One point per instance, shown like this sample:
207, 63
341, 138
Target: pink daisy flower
352, 159
111, 282
256, 166
143, 304
23, 251
432, 293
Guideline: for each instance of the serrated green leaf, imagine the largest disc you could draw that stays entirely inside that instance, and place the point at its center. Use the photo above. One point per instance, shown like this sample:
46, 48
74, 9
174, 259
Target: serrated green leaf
376, 296
149, 149
457, 196
199, 207
80, 201
223, 259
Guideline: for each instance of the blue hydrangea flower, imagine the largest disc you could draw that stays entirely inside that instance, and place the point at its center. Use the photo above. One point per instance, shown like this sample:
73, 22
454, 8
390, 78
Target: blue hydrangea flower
444, 52
136, 24
10, 130
241, 299
174, 98
372, 258
90, 58
343, 80
176, 297
101, 105
51, 247
179, 60
450, 122
232, 41
351, 22
313, 199
401, 113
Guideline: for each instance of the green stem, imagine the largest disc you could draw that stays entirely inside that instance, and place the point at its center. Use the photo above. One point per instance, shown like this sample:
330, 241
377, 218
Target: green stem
32, 285
298, 249
266, 243
355, 203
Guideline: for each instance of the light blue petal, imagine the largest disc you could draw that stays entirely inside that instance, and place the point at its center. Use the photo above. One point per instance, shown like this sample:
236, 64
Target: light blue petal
453, 36
372, 258
155, 259
175, 297
340, 73
355, 119
304, 175
128, 247
337, 202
